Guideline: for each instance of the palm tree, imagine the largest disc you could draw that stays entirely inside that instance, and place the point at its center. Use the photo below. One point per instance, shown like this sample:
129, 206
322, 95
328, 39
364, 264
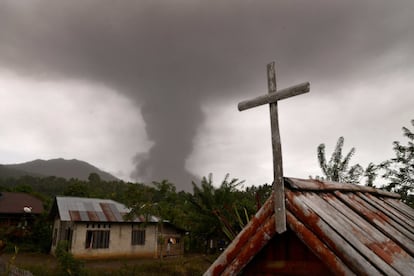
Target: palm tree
337, 167
222, 211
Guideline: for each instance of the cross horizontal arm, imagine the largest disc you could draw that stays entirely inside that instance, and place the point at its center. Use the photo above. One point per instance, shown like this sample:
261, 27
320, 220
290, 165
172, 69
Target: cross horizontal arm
275, 96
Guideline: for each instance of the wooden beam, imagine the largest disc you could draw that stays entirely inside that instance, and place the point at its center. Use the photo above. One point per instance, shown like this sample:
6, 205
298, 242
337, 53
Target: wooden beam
278, 185
275, 96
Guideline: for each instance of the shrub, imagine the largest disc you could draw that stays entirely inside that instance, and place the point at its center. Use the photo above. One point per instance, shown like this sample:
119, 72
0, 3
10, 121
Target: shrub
68, 265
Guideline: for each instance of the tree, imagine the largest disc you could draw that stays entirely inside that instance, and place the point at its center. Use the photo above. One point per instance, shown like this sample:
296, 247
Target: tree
158, 201
399, 171
94, 178
221, 212
140, 199
337, 167
260, 193
76, 188
371, 174
67, 264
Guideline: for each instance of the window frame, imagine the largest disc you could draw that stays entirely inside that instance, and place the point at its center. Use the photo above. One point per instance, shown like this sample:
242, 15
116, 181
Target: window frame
138, 236
97, 239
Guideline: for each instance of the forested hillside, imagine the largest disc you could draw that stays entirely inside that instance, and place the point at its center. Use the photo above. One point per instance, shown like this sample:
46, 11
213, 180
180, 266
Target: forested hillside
54, 167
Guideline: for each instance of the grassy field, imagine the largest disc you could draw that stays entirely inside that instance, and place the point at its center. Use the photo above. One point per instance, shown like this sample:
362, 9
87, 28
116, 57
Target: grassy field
41, 264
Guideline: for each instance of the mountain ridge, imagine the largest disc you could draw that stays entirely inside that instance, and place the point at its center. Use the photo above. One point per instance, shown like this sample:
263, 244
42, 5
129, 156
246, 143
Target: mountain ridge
59, 167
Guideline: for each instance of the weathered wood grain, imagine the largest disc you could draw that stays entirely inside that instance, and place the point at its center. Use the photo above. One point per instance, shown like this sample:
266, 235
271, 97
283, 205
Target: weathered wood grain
317, 246
316, 185
275, 96
315, 216
278, 187
272, 98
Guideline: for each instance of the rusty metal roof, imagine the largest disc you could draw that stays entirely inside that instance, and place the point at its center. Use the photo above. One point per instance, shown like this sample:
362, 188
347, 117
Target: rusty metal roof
352, 229
93, 210
14, 203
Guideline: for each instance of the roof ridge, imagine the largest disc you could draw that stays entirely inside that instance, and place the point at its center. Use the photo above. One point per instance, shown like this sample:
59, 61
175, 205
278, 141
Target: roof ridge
89, 198
323, 185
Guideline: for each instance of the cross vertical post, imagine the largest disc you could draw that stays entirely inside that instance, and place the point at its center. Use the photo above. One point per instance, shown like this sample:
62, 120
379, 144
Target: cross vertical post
272, 98
278, 187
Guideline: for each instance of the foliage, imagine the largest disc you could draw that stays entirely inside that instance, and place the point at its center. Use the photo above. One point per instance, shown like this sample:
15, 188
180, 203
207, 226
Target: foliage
77, 189
35, 237
23, 188
399, 171
94, 178
371, 174
67, 263
140, 199
337, 167
41, 235
260, 193
221, 212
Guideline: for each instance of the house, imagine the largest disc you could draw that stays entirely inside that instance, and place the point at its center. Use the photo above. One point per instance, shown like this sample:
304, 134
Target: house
96, 228
19, 210
332, 228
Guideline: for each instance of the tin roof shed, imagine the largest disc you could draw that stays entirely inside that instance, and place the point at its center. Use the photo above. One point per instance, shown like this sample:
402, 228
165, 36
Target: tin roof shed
333, 228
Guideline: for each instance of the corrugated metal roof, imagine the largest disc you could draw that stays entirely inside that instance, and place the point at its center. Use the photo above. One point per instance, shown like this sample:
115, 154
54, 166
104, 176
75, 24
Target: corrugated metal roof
93, 210
353, 229
13, 203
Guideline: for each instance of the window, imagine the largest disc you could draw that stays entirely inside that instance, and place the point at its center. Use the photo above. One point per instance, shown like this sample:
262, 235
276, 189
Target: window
138, 237
97, 239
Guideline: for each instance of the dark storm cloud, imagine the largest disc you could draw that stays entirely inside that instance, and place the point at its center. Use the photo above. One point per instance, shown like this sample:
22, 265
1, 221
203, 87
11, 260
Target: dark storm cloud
170, 56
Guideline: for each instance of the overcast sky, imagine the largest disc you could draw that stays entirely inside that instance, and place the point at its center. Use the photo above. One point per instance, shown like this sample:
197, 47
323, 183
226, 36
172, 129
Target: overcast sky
148, 90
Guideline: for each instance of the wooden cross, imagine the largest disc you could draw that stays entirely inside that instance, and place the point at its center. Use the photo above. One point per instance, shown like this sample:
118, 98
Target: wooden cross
272, 98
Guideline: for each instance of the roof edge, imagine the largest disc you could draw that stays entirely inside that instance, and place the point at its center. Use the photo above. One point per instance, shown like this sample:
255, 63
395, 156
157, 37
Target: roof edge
319, 185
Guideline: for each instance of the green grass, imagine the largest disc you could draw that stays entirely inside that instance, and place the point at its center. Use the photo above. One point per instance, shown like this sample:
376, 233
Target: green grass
188, 265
